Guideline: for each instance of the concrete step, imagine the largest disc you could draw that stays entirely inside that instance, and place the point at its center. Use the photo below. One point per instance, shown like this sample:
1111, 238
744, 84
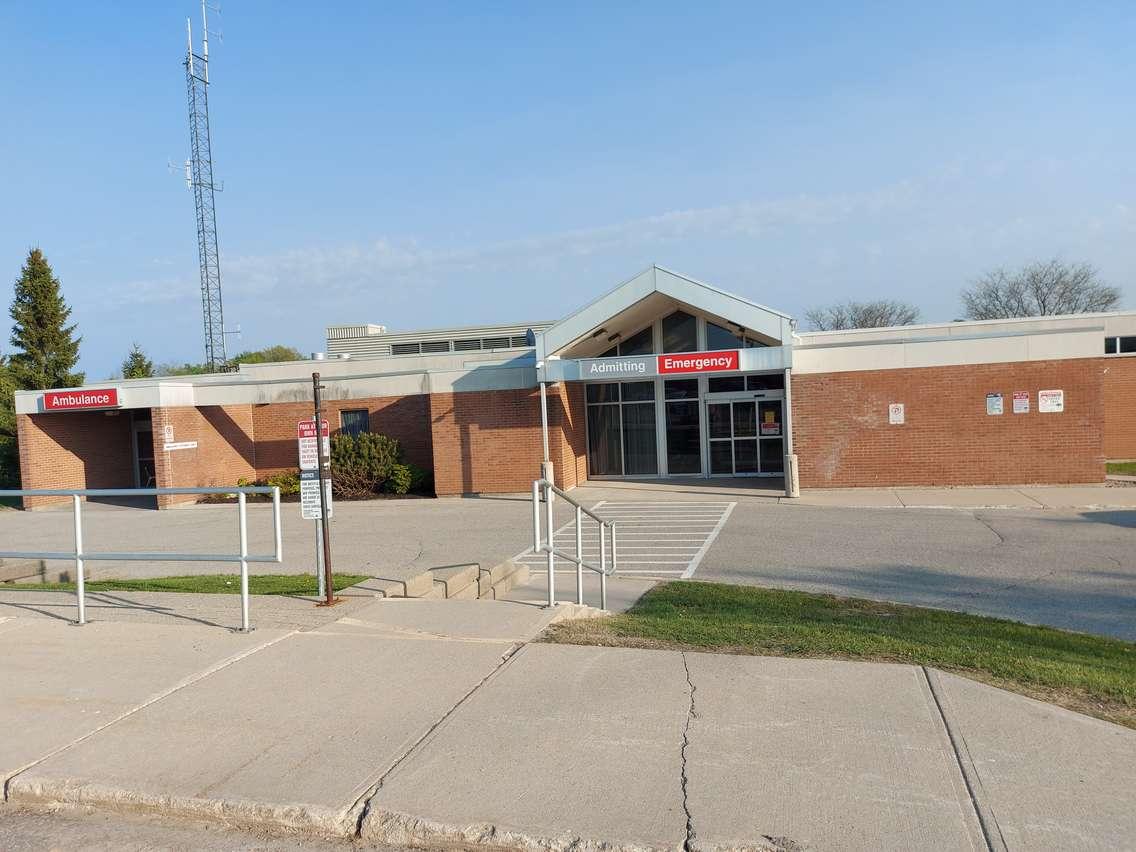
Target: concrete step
495, 582
455, 581
33, 571
417, 586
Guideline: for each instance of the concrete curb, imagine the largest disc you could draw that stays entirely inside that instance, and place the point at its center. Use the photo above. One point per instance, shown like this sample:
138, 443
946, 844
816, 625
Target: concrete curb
286, 818
394, 828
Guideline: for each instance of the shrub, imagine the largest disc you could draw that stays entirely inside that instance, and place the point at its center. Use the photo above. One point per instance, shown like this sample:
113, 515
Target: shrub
288, 482
362, 464
421, 480
400, 479
9, 463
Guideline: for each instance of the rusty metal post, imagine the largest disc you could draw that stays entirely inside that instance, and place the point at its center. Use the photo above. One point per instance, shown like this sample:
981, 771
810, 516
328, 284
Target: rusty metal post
329, 590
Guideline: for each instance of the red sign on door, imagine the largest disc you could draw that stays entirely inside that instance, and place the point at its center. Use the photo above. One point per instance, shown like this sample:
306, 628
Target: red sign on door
80, 399
699, 362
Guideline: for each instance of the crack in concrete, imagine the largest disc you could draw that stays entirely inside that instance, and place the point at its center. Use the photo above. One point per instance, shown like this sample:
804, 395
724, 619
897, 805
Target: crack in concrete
691, 714
364, 801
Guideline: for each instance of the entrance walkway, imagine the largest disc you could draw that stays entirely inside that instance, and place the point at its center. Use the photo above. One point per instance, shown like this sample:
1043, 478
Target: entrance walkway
656, 538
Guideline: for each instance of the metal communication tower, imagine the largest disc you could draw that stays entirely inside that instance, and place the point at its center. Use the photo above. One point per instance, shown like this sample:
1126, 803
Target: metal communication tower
200, 175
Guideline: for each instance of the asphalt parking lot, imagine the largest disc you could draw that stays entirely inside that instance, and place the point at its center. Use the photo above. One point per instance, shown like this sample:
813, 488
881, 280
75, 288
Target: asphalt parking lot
1070, 569
1074, 569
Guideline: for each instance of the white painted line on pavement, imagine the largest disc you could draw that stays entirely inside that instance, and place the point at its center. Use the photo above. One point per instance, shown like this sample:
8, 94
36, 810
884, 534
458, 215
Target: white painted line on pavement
689, 572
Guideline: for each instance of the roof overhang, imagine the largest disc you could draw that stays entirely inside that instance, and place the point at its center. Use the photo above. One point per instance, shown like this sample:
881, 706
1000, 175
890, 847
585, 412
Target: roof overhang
651, 292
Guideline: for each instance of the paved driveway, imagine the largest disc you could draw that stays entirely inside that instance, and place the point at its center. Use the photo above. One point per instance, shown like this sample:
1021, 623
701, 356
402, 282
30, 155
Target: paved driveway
1068, 569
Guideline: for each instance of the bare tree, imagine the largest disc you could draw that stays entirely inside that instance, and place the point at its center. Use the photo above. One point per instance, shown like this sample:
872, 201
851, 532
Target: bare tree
876, 314
1039, 289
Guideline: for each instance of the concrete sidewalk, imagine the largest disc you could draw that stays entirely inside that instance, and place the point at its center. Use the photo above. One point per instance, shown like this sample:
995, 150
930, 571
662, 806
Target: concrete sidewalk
440, 722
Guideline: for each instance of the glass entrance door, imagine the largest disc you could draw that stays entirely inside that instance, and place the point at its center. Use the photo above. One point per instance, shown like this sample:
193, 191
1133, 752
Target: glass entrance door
745, 436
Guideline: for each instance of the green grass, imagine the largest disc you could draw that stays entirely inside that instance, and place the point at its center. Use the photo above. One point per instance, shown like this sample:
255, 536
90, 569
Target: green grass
1091, 674
1127, 468
211, 584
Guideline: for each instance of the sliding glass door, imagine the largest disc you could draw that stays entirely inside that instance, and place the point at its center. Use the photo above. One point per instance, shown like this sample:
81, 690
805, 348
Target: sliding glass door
745, 436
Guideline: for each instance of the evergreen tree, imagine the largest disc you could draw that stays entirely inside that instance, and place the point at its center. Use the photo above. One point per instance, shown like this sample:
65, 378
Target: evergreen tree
7, 400
137, 365
47, 349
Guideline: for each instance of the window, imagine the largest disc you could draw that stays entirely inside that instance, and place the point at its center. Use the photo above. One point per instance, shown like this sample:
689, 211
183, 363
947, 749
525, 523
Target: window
680, 333
727, 384
354, 421
766, 381
642, 343
1120, 345
621, 429
721, 338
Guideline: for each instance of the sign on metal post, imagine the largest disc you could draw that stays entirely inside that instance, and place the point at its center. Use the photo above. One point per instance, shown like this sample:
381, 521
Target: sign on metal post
310, 495
309, 445
323, 493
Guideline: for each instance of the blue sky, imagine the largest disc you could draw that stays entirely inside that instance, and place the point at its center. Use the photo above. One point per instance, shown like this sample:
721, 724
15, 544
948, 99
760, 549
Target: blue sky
424, 165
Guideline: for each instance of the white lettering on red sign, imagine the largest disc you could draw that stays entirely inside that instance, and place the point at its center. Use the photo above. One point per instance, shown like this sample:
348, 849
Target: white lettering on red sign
699, 362
71, 400
309, 445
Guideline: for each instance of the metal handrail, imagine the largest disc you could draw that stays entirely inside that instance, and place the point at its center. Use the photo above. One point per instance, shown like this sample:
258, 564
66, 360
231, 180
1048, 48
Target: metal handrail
543, 488
81, 556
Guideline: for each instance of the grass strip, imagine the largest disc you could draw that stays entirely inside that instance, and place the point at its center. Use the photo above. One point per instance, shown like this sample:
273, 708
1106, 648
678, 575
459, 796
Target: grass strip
1090, 674
209, 584
1127, 468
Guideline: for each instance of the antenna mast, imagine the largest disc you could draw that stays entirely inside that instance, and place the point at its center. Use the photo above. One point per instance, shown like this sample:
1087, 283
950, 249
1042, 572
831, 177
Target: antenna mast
201, 180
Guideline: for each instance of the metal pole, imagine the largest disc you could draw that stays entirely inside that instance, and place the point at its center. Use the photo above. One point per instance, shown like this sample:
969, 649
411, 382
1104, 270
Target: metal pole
579, 555
544, 420
548, 498
242, 513
319, 559
536, 515
614, 553
80, 580
603, 566
277, 532
329, 587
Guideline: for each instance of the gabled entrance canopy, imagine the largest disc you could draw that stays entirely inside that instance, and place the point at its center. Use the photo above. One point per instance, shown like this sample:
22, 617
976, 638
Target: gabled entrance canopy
589, 333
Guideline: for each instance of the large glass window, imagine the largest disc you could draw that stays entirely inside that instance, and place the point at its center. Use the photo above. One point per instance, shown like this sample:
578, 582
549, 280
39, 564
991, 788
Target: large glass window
721, 338
642, 343
621, 429
604, 445
680, 333
684, 450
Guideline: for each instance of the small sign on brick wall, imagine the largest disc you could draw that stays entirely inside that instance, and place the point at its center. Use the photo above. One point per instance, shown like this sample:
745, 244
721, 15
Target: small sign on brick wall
1051, 401
1021, 402
896, 414
993, 403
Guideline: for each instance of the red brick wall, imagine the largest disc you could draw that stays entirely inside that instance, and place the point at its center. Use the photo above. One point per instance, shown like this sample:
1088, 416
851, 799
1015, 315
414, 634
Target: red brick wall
490, 441
842, 436
74, 450
1118, 390
224, 452
568, 436
406, 418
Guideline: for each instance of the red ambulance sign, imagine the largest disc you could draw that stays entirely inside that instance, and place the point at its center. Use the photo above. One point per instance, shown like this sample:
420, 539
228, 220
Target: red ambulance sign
77, 400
